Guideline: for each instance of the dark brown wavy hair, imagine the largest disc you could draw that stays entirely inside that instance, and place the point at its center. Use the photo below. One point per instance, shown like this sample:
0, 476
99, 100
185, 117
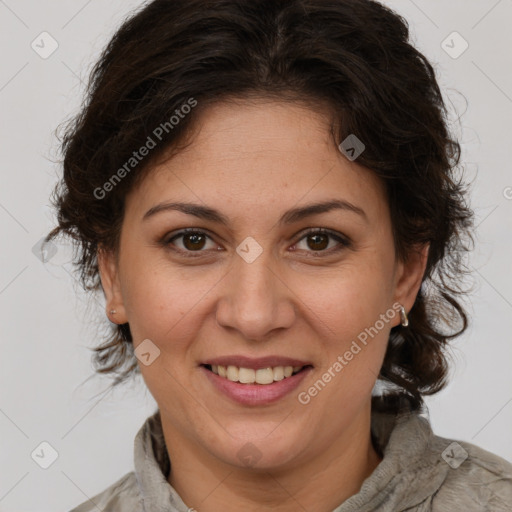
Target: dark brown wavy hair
353, 56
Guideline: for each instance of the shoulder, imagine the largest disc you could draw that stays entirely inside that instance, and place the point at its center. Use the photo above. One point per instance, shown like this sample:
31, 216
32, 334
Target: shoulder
438, 474
475, 479
121, 496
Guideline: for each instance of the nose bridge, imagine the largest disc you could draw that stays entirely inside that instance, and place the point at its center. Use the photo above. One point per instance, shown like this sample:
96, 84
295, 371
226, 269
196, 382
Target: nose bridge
254, 301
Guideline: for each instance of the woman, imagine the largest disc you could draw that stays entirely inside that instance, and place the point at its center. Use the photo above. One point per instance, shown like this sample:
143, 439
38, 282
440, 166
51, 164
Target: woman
266, 194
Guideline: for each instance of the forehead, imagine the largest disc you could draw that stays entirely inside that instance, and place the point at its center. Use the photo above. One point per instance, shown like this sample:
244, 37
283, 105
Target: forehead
260, 155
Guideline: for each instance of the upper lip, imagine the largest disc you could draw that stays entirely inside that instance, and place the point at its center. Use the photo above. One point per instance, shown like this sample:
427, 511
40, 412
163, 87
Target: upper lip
255, 363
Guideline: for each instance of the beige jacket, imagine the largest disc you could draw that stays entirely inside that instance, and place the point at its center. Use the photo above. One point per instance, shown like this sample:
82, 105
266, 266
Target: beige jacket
419, 472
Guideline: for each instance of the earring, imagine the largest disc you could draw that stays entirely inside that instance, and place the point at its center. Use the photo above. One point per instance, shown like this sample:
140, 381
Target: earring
404, 321
112, 311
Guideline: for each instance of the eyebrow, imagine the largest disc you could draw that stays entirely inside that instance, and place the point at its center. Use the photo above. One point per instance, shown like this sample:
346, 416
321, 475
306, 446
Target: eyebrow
289, 217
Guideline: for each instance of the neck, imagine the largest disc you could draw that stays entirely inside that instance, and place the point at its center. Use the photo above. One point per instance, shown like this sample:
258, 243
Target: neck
320, 483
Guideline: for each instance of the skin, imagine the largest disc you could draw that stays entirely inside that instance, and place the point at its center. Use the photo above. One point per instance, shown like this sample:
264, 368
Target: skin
252, 162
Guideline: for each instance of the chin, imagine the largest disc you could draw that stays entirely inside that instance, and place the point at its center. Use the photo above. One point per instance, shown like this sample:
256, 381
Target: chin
252, 450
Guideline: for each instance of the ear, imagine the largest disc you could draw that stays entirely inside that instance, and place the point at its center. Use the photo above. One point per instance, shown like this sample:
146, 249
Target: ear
109, 275
409, 275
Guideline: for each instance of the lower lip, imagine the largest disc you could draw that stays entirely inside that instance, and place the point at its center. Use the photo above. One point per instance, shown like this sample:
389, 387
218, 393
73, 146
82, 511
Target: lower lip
256, 394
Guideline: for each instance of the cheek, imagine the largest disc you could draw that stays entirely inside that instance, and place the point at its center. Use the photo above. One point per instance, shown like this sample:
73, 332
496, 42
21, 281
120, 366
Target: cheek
352, 314
347, 300
168, 308
162, 302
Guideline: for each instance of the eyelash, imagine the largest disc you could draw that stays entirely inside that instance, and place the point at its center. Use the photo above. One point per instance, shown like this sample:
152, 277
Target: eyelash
344, 242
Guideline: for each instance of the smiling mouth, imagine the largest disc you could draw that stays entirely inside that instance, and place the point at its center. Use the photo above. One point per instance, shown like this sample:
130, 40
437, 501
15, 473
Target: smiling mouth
263, 376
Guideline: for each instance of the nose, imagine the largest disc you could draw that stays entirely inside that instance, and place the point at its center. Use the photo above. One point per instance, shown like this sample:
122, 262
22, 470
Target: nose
255, 300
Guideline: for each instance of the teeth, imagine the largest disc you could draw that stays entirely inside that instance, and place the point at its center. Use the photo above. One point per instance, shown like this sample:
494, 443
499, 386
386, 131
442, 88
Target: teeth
279, 373
232, 373
246, 376
250, 376
264, 376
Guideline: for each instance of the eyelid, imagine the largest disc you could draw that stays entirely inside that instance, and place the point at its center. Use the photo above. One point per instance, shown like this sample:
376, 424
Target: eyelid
323, 231
343, 241
168, 238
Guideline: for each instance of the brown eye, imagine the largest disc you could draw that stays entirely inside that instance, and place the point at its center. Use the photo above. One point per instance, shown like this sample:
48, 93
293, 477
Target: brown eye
194, 241
322, 241
190, 241
318, 242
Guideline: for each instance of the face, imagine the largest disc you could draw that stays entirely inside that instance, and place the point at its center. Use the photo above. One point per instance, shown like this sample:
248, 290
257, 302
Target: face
263, 280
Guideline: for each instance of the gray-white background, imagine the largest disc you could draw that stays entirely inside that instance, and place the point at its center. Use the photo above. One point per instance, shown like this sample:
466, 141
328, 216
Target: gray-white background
47, 326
